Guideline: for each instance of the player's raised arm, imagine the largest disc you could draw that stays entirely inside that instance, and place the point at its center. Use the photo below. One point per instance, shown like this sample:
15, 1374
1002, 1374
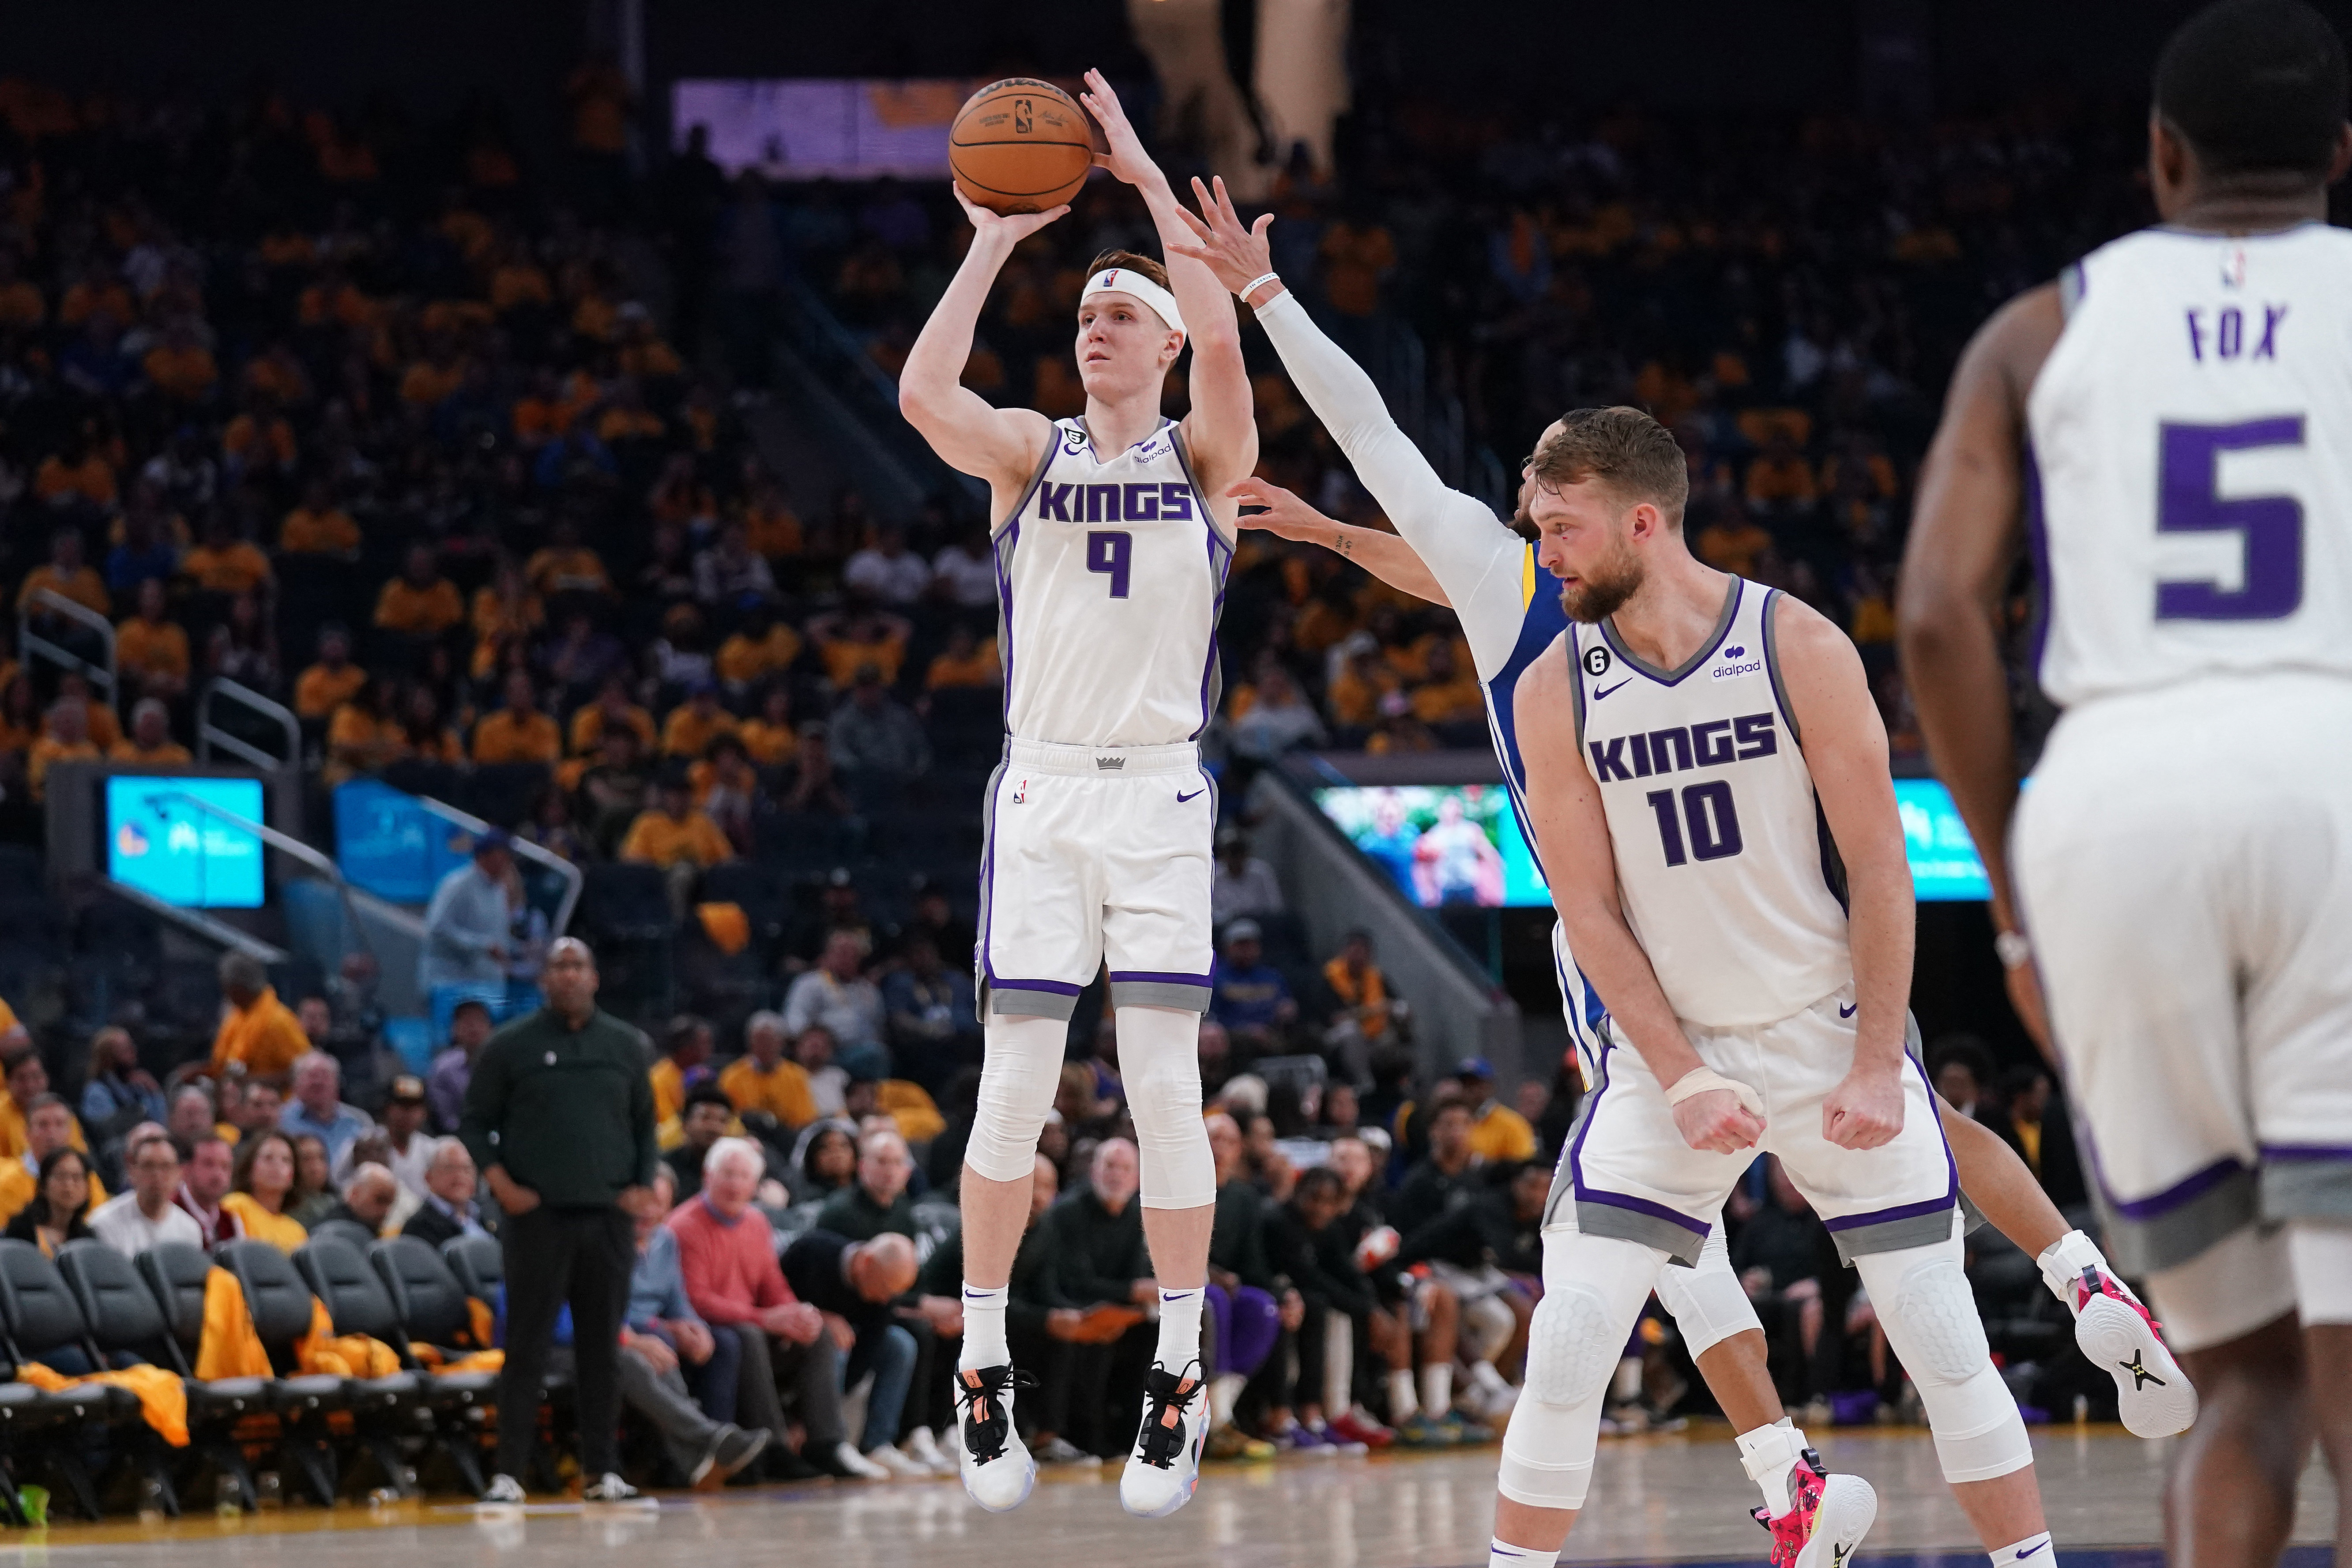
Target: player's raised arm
1000, 446
1222, 429
1572, 840
1844, 741
1384, 555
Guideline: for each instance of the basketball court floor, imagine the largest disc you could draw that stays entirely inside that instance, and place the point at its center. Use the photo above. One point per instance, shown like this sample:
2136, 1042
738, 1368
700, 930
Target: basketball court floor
1665, 1500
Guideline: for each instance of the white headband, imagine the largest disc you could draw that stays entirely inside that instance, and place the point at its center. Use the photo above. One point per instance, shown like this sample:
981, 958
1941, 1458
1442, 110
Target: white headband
1127, 281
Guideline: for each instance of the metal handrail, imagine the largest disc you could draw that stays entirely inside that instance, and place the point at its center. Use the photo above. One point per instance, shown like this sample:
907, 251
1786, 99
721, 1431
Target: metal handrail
30, 642
285, 844
573, 878
209, 734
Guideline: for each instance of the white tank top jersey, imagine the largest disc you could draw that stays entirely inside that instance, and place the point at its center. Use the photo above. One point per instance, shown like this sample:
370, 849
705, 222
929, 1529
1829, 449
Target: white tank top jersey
2192, 433
1725, 870
1110, 575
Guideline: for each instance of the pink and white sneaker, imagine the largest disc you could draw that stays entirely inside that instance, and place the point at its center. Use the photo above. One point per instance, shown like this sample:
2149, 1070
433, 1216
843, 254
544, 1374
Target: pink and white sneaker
2120, 1335
1826, 1521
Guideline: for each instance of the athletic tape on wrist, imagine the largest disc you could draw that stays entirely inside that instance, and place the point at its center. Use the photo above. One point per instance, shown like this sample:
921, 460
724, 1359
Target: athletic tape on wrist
1254, 284
1707, 1080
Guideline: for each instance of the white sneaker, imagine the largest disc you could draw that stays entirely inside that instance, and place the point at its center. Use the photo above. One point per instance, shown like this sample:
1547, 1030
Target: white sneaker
924, 1450
611, 1488
900, 1465
849, 1461
1164, 1469
996, 1466
503, 1492
2124, 1340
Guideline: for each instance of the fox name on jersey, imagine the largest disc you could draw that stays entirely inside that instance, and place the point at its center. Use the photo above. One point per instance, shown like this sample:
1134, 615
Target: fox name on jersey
1110, 575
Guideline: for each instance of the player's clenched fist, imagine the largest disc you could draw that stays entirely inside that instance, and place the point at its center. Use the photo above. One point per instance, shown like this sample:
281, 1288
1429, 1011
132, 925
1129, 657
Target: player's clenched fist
1866, 1109
1717, 1122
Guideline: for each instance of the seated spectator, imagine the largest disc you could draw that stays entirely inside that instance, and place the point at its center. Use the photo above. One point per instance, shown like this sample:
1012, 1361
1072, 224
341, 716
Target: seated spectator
727, 790
314, 1197
1451, 695
401, 1143
850, 639
1356, 692
875, 738
613, 786
224, 562
150, 649
1278, 721
1242, 887
674, 1371
1444, 1181
812, 784
769, 736
251, 1105
964, 572
1245, 1304
1498, 1134
423, 732
1778, 1255
702, 1123
1335, 1305
1095, 1240
1779, 478
1733, 542
1251, 998
966, 663
824, 1161
728, 1255
451, 1209
1481, 1250
318, 1108
367, 1198
909, 1106
887, 572
453, 1070
762, 1083
149, 549
192, 1115
693, 724
266, 1187
1961, 1069
683, 1065
258, 1034
876, 1201
564, 566
244, 647
837, 994
65, 738
117, 1093
676, 838
48, 1127
1359, 986
205, 1182
317, 526
150, 741
66, 574
518, 732
2036, 1125
813, 1049
420, 602
366, 736
854, 1283
764, 646
612, 708
730, 571
56, 1211
146, 1216
333, 680
934, 1027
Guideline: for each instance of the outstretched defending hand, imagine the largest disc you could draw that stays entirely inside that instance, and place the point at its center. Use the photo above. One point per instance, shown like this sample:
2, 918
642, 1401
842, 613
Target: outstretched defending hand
1718, 1123
1285, 516
1126, 157
1013, 228
1238, 253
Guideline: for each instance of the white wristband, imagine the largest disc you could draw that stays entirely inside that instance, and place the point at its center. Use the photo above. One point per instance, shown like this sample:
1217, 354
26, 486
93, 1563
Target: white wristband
2014, 950
1707, 1080
1254, 284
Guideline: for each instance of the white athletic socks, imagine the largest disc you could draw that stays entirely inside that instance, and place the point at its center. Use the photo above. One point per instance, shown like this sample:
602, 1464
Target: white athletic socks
1438, 1390
1768, 1454
1180, 1329
2034, 1551
1403, 1405
2065, 1261
1500, 1555
984, 1328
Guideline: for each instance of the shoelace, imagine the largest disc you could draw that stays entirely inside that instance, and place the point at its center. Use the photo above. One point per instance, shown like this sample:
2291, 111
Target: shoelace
986, 1425
2095, 1283
1163, 1437
1794, 1528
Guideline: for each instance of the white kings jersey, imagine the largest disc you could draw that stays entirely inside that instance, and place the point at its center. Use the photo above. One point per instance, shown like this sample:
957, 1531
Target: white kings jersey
1725, 870
2192, 429
1111, 574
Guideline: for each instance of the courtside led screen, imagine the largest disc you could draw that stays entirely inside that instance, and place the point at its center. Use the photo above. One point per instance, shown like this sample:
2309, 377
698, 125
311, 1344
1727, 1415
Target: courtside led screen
161, 840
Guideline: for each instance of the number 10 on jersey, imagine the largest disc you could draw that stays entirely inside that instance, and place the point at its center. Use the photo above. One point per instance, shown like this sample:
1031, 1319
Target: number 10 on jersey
1708, 810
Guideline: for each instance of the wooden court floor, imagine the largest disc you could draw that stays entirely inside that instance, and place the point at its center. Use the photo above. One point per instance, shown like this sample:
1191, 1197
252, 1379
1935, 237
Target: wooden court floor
1664, 1499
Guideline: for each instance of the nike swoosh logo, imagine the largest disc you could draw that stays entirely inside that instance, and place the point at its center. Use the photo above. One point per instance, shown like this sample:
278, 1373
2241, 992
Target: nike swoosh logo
2031, 1550
1846, 1012
1182, 798
1605, 691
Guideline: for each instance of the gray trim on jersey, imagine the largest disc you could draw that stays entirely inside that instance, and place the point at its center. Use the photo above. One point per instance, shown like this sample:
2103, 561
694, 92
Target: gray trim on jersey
1771, 624
2306, 1189
1013, 1001
1159, 994
1679, 1245
1894, 1234
1972, 1218
1705, 650
987, 889
1575, 679
1053, 444
1213, 678
2166, 1240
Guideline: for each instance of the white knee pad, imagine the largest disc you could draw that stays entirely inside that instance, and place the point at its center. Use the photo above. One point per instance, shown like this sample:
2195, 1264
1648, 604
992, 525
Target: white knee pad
1017, 1078
1707, 1302
1160, 1062
1593, 1290
1930, 1318
2322, 1255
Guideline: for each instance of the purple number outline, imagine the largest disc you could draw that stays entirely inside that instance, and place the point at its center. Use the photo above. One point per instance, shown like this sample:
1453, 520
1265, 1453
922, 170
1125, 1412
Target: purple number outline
1109, 550
2270, 526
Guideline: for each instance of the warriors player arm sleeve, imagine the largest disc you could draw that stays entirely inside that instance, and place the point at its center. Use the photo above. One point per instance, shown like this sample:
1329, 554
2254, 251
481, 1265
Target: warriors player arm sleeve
1472, 556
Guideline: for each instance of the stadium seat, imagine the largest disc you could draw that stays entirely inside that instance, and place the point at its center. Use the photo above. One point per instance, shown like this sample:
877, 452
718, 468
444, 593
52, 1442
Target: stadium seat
624, 901
41, 1323
431, 1305
479, 1264
279, 1302
756, 889
502, 794
126, 1317
389, 1409
351, 1233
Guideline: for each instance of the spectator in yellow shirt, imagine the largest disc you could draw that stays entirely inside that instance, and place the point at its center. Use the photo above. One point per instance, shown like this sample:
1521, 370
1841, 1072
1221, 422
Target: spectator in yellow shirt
675, 836
223, 564
860, 635
420, 601
1733, 542
1355, 694
763, 1081
693, 724
505, 612
543, 413
258, 1031
180, 366
770, 738
1496, 1131
65, 573
78, 475
150, 740
762, 646
432, 378
65, 738
28, 1081
152, 652
965, 662
564, 566
612, 707
333, 680
363, 737
1780, 477
259, 440
682, 1065
518, 732
319, 527
1450, 695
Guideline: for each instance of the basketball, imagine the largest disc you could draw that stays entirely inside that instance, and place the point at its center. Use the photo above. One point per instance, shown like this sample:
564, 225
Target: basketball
1021, 145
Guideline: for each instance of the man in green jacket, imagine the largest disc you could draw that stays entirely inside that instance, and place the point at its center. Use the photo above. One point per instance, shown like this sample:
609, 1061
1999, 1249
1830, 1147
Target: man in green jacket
560, 1117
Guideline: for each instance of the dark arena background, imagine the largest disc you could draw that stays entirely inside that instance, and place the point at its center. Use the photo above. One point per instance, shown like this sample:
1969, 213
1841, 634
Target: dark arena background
451, 458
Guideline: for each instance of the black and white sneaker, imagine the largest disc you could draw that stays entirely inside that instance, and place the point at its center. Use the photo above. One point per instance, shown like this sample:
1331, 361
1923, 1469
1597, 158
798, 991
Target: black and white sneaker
1165, 1468
996, 1465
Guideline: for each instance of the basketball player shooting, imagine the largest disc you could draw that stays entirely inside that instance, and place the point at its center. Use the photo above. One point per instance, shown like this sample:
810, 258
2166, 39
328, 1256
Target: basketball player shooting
2176, 877
1112, 538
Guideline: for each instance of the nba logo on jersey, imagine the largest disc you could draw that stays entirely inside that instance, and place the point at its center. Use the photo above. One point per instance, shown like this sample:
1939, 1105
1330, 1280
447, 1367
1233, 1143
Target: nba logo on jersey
2234, 267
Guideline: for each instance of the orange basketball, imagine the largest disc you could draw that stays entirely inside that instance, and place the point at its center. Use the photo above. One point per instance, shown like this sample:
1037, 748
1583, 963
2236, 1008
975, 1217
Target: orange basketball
1021, 145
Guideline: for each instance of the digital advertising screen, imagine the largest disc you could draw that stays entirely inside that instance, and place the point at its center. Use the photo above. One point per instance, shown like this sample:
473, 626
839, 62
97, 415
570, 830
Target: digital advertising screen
1943, 863
1440, 844
810, 128
388, 845
161, 842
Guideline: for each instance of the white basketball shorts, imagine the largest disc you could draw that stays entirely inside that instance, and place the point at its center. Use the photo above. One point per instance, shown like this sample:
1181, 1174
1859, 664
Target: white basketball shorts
1096, 856
2184, 861
1629, 1174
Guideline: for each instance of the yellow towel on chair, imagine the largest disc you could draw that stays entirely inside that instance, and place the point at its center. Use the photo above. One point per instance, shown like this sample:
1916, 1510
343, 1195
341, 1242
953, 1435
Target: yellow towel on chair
162, 1397
323, 1351
230, 1348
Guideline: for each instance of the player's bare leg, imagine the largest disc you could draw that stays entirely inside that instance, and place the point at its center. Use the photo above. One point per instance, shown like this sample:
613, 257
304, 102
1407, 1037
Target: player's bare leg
2327, 1363
2230, 1500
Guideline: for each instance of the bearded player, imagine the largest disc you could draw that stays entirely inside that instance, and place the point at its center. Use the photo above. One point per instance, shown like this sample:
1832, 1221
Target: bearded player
1112, 541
